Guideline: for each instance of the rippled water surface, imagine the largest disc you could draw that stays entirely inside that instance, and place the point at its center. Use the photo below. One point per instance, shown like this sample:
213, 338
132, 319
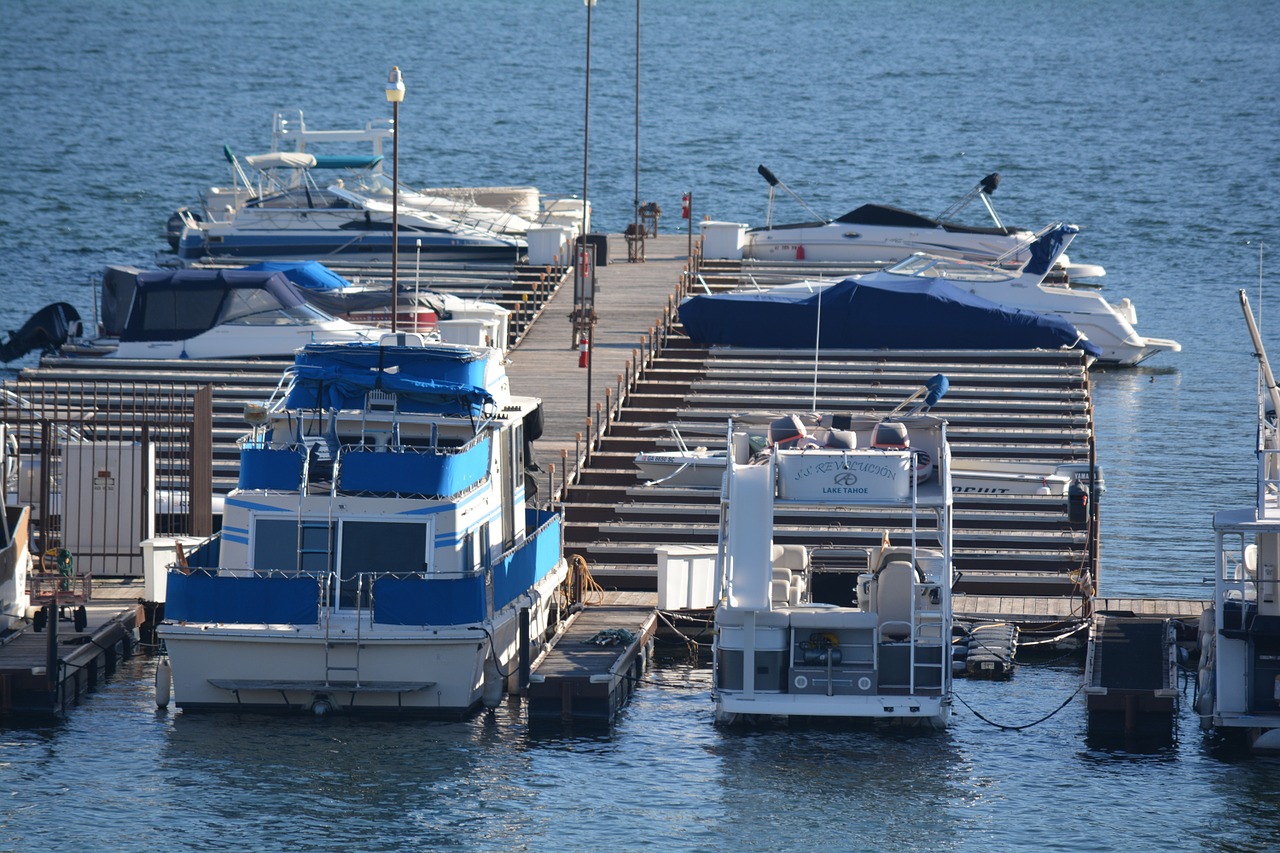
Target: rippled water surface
1151, 124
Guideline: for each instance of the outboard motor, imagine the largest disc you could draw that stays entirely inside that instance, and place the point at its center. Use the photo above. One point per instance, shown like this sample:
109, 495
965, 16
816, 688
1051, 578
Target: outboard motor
47, 330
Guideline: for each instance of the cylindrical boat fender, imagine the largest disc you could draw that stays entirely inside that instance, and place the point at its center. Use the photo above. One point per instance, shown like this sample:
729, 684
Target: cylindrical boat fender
164, 679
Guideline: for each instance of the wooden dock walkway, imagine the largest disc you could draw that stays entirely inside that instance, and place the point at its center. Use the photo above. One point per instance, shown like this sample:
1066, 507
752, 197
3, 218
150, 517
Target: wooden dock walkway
630, 302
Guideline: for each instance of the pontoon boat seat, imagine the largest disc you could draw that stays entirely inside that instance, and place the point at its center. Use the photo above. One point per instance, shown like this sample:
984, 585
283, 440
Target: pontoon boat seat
786, 431
780, 592
842, 439
893, 592
890, 436
793, 557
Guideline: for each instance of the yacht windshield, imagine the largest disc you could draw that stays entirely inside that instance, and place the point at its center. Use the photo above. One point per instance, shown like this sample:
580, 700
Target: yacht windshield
933, 266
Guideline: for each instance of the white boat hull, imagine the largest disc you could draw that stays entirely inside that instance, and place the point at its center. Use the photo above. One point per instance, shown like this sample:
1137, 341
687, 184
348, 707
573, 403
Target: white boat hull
358, 669
861, 244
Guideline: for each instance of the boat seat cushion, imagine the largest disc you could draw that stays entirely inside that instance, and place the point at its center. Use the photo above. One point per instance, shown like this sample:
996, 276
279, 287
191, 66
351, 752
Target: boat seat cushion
894, 589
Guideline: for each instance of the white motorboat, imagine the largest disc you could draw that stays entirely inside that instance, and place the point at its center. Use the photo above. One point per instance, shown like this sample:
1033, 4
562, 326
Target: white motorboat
292, 175
877, 644
1026, 287
883, 234
1239, 674
702, 467
212, 314
377, 555
335, 223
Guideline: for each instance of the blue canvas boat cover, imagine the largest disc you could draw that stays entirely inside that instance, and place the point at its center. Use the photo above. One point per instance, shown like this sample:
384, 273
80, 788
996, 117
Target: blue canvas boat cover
429, 379
174, 305
312, 275
923, 314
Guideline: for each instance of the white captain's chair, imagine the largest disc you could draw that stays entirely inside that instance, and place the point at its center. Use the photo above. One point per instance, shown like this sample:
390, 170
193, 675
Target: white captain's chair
790, 562
894, 589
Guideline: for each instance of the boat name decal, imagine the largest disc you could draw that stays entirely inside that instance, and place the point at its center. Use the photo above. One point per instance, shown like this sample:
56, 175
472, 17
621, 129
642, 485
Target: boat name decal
846, 468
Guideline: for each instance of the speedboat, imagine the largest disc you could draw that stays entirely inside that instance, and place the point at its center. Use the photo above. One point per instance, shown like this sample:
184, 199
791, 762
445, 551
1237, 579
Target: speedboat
865, 635
873, 312
1239, 675
215, 314
1109, 327
371, 303
1027, 288
883, 234
335, 223
292, 164
377, 555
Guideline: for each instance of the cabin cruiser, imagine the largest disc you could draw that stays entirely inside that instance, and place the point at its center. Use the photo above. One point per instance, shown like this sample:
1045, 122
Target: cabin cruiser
883, 234
1026, 288
292, 164
875, 311
867, 635
336, 223
377, 555
1239, 675
203, 314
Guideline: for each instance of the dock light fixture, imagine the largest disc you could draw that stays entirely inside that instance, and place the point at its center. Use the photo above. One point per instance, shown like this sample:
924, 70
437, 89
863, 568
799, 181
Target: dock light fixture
395, 94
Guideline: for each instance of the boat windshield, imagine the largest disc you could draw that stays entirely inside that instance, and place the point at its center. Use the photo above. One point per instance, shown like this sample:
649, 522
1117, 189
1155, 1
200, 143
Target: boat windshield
933, 266
245, 307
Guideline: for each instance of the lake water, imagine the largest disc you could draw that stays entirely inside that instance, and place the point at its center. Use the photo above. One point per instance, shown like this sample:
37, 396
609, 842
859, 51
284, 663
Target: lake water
1151, 124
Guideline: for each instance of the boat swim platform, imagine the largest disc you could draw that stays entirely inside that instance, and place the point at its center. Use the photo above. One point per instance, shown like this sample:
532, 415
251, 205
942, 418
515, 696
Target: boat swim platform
595, 662
46, 673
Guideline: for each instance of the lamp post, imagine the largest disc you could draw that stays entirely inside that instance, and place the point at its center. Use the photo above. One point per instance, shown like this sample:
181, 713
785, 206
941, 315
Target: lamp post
586, 296
395, 94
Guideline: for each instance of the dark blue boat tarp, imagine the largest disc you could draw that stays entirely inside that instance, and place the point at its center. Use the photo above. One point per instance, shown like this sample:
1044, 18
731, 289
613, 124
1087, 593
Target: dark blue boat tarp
913, 314
435, 379
174, 305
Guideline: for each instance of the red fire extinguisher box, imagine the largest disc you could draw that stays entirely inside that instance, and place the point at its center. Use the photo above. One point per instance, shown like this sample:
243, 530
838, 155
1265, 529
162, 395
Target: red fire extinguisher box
600, 242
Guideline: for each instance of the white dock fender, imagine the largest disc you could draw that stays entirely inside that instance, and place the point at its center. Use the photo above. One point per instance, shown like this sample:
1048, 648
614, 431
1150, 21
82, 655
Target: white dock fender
163, 683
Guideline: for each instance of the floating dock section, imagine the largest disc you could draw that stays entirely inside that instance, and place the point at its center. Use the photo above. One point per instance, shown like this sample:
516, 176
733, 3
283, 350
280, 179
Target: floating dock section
45, 673
1131, 681
595, 663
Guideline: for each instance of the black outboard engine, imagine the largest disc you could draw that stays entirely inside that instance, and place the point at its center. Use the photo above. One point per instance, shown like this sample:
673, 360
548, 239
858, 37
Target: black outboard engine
47, 330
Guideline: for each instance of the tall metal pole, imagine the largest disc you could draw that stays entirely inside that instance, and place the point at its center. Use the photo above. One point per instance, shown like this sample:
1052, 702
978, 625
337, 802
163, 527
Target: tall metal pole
395, 94
636, 213
588, 303
395, 218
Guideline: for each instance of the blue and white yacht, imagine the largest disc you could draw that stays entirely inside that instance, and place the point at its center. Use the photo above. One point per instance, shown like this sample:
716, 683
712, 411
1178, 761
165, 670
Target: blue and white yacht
377, 555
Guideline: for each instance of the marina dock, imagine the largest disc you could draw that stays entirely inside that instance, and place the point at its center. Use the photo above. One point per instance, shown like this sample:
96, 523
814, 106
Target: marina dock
1030, 560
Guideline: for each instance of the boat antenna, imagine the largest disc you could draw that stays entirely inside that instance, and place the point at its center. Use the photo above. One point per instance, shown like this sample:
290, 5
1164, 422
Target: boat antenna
774, 183
983, 190
817, 345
